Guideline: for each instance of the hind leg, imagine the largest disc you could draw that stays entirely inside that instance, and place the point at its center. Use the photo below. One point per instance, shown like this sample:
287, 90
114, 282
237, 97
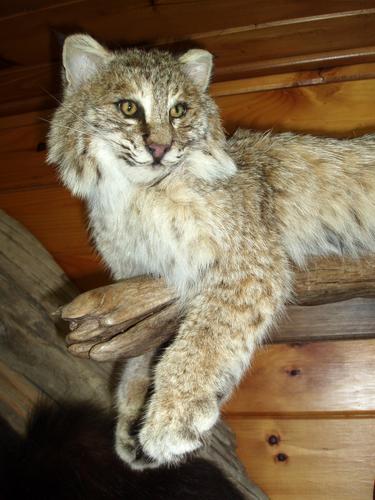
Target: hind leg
130, 398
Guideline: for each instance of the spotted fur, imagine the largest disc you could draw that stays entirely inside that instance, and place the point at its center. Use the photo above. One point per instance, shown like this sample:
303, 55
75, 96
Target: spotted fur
220, 220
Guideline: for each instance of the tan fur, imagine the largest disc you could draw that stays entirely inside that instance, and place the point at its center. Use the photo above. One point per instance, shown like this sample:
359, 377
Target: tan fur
130, 398
221, 221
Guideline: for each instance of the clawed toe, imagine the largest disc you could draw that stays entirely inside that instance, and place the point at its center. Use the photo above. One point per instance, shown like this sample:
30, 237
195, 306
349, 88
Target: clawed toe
131, 452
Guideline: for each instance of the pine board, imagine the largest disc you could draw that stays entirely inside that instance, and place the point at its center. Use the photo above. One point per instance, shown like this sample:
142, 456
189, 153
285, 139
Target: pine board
326, 459
318, 377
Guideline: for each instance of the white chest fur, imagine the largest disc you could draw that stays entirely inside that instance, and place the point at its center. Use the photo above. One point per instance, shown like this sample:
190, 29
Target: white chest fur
152, 230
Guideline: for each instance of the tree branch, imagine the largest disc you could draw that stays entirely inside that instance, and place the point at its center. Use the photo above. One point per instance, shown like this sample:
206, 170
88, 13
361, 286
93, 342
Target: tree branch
133, 316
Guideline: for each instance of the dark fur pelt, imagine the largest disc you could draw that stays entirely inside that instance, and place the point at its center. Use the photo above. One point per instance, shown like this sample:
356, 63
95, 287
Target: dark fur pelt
68, 454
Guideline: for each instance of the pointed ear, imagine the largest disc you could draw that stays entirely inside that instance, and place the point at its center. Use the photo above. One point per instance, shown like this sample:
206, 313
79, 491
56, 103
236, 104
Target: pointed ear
197, 64
82, 57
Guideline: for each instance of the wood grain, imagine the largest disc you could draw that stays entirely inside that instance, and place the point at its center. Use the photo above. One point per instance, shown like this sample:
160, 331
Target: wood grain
142, 337
349, 319
24, 7
122, 320
29, 138
273, 36
303, 378
128, 318
17, 396
330, 279
321, 458
56, 219
17, 243
334, 109
34, 88
274, 46
32, 41
287, 47
28, 88
339, 74
32, 286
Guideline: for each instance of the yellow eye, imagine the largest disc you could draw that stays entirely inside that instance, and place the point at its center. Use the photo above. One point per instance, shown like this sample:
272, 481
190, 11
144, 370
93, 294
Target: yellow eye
129, 108
178, 110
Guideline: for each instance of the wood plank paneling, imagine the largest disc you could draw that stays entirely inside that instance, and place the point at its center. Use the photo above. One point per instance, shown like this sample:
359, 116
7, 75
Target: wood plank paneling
51, 215
284, 380
313, 459
334, 109
39, 175
24, 119
133, 22
338, 109
28, 89
57, 220
302, 45
339, 74
27, 139
23, 7
339, 320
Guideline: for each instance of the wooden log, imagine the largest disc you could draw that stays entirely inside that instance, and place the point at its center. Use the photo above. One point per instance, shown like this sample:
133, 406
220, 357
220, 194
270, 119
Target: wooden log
32, 287
34, 361
132, 316
332, 279
121, 320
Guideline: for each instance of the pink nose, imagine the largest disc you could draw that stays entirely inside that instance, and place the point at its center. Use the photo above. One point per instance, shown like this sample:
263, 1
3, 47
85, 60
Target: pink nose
158, 150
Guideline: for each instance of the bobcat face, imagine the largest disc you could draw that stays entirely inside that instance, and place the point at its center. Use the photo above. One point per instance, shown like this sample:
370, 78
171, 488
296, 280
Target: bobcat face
151, 116
140, 113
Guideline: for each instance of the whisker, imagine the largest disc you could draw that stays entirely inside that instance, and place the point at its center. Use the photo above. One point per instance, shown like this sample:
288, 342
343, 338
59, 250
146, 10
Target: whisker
65, 107
63, 126
99, 131
117, 146
78, 116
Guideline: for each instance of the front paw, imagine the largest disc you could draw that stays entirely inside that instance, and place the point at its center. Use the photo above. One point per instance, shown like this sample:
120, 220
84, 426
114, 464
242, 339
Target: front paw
128, 448
175, 427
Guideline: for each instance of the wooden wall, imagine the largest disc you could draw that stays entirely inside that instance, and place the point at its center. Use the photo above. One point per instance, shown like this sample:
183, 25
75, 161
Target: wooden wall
304, 416
247, 37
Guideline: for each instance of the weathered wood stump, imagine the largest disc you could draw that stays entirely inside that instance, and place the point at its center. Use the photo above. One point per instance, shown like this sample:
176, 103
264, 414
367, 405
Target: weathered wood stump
129, 317
34, 360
